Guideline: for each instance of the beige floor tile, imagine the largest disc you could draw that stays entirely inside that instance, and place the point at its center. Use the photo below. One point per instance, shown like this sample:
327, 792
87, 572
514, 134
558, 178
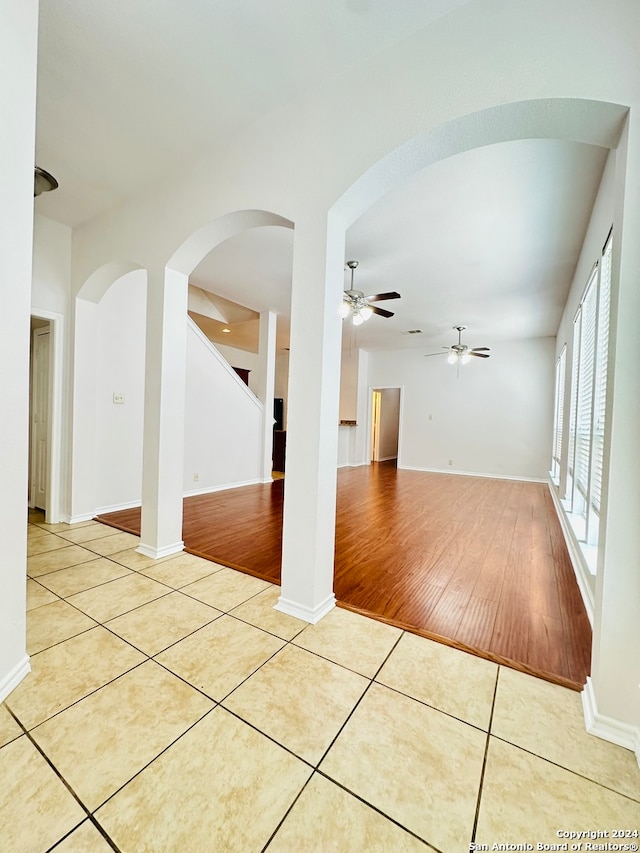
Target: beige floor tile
66, 582
338, 822
100, 743
450, 680
179, 571
35, 807
223, 786
226, 588
37, 595
87, 532
259, 611
84, 839
72, 555
9, 729
54, 623
161, 623
119, 596
548, 720
219, 656
44, 543
133, 560
415, 764
112, 544
69, 671
527, 799
350, 639
299, 699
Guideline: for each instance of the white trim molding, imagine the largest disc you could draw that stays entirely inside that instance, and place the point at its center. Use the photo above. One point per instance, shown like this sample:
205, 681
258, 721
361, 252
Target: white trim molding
159, 553
77, 519
606, 728
472, 474
223, 487
307, 614
580, 567
14, 677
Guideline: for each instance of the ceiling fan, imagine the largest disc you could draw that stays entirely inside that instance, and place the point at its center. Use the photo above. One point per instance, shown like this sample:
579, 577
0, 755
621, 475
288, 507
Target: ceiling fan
460, 353
356, 304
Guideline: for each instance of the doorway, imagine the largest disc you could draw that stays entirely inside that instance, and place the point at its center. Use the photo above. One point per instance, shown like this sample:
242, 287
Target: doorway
385, 424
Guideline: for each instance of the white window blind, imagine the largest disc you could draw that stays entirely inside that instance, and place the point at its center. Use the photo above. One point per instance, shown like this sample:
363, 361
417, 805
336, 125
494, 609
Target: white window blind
585, 387
587, 416
575, 367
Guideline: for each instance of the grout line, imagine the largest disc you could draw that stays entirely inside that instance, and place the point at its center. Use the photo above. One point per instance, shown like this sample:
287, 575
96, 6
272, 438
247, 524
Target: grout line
568, 769
75, 796
287, 812
375, 808
484, 760
152, 760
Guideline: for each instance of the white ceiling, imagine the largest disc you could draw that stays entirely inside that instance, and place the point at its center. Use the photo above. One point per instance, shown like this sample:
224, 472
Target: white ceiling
487, 239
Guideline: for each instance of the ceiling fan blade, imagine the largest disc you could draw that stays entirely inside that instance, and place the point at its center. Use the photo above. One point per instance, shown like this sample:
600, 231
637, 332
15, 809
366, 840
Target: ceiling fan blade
378, 297
429, 354
480, 349
478, 354
381, 311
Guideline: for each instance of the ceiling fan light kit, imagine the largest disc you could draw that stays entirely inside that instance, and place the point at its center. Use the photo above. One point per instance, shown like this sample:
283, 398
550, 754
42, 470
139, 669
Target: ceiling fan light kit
356, 305
460, 353
43, 182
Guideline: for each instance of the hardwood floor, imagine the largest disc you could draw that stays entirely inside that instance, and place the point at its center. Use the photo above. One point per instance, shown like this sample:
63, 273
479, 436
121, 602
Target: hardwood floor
478, 563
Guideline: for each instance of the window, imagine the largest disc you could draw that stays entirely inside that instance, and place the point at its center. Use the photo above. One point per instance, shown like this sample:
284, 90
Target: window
558, 415
588, 402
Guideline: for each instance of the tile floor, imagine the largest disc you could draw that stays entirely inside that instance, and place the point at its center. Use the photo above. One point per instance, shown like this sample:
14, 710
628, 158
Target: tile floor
171, 708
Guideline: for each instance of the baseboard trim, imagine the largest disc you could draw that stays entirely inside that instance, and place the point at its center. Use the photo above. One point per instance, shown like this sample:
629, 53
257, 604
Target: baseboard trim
353, 464
307, 614
209, 489
77, 519
11, 680
473, 474
606, 728
580, 568
158, 553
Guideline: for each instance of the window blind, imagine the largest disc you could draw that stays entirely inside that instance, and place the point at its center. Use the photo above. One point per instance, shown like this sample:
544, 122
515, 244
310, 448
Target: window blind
586, 372
601, 362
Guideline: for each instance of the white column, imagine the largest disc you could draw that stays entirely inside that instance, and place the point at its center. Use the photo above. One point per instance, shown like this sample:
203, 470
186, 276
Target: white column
164, 406
312, 421
266, 384
612, 697
18, 58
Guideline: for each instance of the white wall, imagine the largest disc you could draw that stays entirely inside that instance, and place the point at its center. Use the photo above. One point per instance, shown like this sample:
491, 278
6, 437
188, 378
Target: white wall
18, 54
51, 282
349, 385
120, 363
495, 419
223, 422
247, 360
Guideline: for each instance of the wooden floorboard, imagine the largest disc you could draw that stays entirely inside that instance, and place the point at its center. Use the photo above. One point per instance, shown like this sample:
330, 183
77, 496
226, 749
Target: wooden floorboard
474, 562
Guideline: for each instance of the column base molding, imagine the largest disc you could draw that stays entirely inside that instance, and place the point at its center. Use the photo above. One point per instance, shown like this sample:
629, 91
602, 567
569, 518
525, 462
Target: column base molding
158, 553
308, 614
14, 677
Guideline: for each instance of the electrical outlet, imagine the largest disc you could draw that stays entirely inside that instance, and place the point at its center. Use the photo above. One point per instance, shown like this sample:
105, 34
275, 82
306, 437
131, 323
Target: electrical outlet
196, 477
118, 397
451, 462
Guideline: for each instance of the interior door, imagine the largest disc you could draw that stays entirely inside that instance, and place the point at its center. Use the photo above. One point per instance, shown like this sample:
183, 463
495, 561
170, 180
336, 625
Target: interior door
39, 417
